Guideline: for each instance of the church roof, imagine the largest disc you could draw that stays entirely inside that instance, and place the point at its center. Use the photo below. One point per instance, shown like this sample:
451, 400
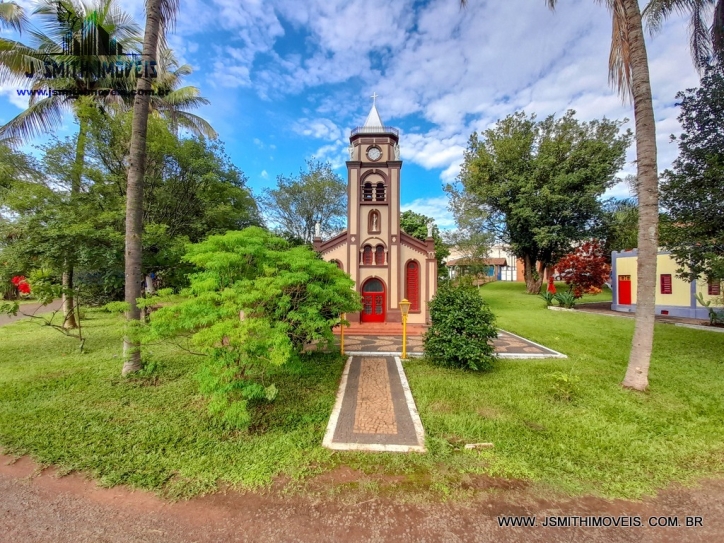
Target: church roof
373, 119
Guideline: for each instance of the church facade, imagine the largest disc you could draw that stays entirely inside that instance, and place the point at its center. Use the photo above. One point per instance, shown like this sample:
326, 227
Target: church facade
385, 263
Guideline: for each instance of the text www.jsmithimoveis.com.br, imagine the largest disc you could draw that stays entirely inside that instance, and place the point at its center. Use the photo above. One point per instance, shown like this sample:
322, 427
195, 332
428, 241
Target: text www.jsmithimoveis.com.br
601, 522
86, 92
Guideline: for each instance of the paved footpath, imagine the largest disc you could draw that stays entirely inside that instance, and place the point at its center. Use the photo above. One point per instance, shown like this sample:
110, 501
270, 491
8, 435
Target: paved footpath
31, 309
507, 345
375, 410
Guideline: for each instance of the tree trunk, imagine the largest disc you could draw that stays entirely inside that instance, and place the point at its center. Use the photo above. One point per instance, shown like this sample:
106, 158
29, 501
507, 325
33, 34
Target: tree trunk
533, 280
134, 190
648, 186
150, 287
69, 320
68, 302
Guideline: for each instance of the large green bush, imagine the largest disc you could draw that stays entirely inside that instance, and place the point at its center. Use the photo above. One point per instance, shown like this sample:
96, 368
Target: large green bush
289, 297
462, 326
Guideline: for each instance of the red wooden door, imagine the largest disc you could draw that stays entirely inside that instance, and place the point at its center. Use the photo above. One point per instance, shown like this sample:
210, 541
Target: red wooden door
624, 290
373, 301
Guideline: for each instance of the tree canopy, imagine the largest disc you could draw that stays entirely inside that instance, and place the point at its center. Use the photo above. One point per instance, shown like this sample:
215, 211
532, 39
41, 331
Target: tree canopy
316, 195
288, 296
415, 224
538, 183
691, 191
191, 191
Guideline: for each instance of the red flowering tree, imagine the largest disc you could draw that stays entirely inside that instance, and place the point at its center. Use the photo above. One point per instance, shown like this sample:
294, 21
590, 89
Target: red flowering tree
21, 284
585, 270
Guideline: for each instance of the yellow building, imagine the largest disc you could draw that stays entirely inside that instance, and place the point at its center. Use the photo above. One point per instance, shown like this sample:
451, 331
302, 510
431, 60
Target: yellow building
675, 297
385, 263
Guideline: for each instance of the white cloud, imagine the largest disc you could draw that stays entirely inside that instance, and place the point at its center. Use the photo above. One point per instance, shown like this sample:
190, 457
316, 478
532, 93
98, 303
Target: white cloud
318, 128
264, 174
11, 93
437, 208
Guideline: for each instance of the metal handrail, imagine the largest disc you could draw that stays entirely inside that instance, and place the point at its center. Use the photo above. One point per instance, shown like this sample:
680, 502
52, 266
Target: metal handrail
375, 130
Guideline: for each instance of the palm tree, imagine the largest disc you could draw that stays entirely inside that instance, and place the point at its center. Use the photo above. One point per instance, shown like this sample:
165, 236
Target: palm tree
51, 97
160, 14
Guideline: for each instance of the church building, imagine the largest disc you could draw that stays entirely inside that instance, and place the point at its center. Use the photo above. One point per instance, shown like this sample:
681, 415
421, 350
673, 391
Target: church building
385, 263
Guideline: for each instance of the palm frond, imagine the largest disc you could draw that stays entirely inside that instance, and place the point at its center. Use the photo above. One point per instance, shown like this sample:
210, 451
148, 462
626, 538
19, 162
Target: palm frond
13, 16
40, 118
195, 124
619, 59
16, 59
700, 35
183, 98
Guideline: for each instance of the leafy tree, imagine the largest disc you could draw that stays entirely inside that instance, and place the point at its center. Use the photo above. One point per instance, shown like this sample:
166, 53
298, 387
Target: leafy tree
255, 303
585, 269
191, 191
415, 224
619, 228
692, 190
461, 330
539, 183
316, 195
472, 237
44, 113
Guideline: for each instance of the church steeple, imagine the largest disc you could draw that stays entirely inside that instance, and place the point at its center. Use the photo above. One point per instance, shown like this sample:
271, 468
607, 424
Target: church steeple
373, 119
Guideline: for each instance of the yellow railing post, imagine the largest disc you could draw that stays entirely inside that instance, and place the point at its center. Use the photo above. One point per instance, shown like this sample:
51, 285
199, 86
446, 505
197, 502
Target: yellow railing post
404, 337
341, 334
404, 309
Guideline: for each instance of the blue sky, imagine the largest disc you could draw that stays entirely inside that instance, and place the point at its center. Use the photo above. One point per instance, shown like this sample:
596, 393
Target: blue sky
287, 79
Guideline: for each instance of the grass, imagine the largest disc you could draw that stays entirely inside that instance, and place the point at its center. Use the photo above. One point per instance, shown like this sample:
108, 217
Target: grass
564, 425
605, 440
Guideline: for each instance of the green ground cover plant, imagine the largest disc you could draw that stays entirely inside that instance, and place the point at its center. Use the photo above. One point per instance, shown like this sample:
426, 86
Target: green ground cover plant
580, 434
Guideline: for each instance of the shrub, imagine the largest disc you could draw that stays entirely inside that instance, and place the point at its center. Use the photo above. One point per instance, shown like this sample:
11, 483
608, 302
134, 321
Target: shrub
462, 326
585, 269
715, 317
565, 299
564, 386
255, 303
548, 297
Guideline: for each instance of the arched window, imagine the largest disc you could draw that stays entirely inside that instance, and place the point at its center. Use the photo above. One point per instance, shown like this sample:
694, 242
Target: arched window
367, 255
412, 285
337, 263
374, 221
373, 285
380, 255
367, 192
380, 192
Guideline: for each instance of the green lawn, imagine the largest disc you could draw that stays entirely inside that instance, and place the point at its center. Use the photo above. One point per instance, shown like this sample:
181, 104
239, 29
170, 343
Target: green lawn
153, 432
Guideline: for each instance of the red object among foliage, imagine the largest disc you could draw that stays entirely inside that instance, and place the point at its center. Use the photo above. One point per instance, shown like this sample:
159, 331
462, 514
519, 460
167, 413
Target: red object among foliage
21, 284
585, 269
551, 286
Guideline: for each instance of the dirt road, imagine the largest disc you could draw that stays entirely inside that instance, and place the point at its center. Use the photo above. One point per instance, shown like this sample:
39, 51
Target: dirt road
44, 508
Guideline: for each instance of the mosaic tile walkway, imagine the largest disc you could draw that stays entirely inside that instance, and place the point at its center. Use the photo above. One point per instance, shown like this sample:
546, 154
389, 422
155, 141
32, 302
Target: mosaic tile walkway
507, 345
374, 410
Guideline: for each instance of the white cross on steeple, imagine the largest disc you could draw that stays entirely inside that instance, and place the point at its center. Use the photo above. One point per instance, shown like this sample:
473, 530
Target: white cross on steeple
374, 98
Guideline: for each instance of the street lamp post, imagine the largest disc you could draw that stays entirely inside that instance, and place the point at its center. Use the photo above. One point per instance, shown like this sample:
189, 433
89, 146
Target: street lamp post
405, 308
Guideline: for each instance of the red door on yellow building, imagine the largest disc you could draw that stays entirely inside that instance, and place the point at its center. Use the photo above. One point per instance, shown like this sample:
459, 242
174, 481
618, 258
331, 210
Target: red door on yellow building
624, 290
373, 301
